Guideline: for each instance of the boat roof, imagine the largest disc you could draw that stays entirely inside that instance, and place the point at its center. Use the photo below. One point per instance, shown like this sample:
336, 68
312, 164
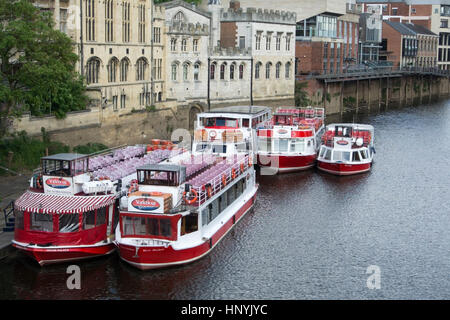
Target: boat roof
65, 156
253, 110
167, 167
353, 125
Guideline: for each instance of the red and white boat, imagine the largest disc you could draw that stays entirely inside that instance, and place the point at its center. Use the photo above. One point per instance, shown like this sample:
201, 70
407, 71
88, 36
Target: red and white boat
183, 207
71, 208
289, 142
346, 149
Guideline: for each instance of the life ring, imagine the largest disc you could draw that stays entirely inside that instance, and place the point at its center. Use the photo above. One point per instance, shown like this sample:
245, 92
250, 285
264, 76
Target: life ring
209, 191
233, 173
224, 180
38, 181
242, 167
193, 199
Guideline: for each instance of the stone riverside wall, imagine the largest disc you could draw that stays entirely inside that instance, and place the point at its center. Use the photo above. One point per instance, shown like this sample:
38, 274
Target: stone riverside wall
114, 128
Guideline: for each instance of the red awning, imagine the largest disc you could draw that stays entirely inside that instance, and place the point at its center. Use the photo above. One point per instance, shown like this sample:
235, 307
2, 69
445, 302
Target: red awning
45, 203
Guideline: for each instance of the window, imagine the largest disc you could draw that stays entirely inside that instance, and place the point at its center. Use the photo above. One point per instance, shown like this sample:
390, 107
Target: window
112, 70
92, 70
174, 71
41, 222
257, 69
219, 148
444, 23
141, 69
278, 42
124, 64
90, 20
222, 71
363, 154
264, 144
88, 220
109, 24
141, 23
288, 70
173, 44
196, 71
268, 39
146, 226
280, 145
288, 42
355, 156
298, 145
241, 42
101, 216
183, 45
327, 154
268, 66
189, 223
156, 34
277, 70
114, 101
258, 40
241, 71
232, 67
212, 71
125, 21
195, 45
185, 71
123, 99
157, 69
69, 223
63, 20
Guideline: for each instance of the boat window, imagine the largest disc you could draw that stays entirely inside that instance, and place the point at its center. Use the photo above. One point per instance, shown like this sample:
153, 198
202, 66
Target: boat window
245, 123
88, 220
59, 168
355, 156
189, 223
337, 155
219, 148
101, 216
281, 145
298, 145
222, 122
264, 144
223, 203
322, 152
18, 215
146, 226
363, 154
69, 222
41, 222
328, 154
241, 147
202, 147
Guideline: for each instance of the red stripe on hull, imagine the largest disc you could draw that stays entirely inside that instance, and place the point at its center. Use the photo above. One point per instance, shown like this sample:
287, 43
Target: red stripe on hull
159, 257
59, 255
343, 169
287, 163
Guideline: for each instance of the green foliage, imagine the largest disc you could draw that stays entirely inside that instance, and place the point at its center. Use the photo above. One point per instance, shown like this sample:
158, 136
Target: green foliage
89, 148
301, 95
37, 71
27, 151
150, 108
349, 102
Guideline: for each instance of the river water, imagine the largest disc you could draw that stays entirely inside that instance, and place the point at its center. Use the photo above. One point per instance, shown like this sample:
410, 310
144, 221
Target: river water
311, 235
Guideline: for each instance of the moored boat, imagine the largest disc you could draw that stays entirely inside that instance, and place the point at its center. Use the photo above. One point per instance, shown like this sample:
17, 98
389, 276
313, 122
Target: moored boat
71, 208
289, 142
346, 149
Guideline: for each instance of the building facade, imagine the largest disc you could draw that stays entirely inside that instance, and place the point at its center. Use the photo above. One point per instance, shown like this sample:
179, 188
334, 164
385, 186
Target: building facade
120, 47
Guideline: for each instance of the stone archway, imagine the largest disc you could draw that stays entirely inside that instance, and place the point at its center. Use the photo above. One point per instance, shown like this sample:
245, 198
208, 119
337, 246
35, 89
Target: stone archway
193, 111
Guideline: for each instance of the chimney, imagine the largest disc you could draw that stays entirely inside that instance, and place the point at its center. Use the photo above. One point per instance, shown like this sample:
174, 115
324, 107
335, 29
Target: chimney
235, 5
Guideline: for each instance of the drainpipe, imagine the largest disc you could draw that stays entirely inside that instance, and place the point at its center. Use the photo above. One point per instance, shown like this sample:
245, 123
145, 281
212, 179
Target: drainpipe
81, 40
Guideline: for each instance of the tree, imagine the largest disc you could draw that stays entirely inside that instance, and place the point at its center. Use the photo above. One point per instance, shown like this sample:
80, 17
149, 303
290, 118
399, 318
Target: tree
37, 65
301, 95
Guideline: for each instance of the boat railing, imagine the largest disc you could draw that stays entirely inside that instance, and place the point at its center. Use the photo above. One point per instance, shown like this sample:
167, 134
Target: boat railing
220, 180
7, 211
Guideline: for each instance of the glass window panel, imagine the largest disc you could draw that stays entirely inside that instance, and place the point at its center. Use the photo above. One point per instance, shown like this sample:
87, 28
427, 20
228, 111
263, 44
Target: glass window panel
69, 222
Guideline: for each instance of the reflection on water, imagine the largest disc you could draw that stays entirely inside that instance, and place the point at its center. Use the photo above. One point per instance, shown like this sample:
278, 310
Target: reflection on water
311, 235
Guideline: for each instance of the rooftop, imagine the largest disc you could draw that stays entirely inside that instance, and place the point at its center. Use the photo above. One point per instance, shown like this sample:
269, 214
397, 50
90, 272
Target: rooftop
65, 156
241, 110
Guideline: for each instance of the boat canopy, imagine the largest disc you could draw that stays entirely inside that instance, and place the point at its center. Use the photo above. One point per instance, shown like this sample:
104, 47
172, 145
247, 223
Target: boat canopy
161, 174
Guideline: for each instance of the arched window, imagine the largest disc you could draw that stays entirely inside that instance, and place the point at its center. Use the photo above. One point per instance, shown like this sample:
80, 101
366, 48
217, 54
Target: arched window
185, 71
257, 69
268, 67
288, 70
222, 71
196, 70
277, 70
92, 70
183, 45
179, 17
112, 69
124, 65
232, 68
173, 44
241, 71
174, 71
141, 69
109, 17
212, 71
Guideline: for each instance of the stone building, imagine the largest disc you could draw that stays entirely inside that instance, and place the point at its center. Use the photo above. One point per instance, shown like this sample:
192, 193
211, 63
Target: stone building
120, 46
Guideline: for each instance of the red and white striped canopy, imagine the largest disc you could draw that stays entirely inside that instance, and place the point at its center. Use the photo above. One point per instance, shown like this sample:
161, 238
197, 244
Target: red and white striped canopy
45, 203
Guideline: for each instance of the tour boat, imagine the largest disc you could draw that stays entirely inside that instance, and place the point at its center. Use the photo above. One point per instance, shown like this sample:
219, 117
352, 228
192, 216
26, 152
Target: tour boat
227, 131
346, 149
289, 142
180, 209
71, 208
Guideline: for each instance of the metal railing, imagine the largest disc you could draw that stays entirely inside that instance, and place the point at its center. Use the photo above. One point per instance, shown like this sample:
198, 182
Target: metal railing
7, 211
217, 182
